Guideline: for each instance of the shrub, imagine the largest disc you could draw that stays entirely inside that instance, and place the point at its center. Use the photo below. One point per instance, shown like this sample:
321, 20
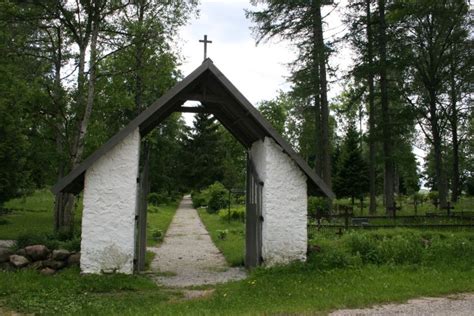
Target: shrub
222, 233
52, 241
158, 198
434, 196
318, 204
153, 209
157, 235
218, 197
236, 213
199, 199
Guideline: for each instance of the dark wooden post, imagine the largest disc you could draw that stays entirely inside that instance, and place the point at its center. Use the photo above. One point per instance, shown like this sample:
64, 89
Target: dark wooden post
346, 217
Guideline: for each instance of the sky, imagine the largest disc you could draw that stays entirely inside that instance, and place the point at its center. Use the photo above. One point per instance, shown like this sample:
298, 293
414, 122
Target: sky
259, 72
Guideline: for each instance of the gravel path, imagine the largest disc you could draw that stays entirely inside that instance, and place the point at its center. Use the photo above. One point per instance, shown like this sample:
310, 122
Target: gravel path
187, 256
459, 305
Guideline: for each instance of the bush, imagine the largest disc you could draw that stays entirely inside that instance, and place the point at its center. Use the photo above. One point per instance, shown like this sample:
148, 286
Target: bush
318, 204
434, 196
52, 241
222, 233
153, 209
158, 198
218, 197
236, 213
199, 199
157, 235
394, 247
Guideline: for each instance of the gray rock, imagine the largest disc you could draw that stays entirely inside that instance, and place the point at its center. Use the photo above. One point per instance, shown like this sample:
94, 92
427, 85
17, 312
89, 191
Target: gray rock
37, 252
37, 265
74, 259
60, 254
21, 252
5, 254
54, 264
47, 271
19, 261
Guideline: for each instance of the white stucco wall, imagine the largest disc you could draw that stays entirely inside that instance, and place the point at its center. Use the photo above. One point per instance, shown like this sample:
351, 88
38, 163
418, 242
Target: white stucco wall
108, 220
284, 204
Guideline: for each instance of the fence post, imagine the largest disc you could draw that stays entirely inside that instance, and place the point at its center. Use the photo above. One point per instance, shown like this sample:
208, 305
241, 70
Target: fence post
346, 218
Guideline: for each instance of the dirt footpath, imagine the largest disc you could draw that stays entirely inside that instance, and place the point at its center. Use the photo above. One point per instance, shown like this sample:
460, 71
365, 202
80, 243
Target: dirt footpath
187, 256
458, 305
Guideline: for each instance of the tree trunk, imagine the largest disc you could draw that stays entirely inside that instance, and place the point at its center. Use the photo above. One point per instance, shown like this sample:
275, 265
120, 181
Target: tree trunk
316, 96
325, 145
386, 125
64, 207
455, 190
438, 152
370, 81
79, 144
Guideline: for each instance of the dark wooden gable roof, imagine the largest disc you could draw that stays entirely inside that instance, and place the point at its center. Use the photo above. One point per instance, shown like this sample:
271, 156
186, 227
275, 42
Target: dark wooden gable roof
217, 96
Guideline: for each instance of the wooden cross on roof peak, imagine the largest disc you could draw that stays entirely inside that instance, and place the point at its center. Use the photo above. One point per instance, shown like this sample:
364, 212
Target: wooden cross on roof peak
205, 41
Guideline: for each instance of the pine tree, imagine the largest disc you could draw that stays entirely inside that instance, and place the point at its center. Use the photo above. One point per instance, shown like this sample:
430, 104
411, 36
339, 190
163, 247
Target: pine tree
351, 179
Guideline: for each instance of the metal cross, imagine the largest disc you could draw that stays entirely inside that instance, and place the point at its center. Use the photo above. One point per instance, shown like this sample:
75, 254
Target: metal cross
205, 41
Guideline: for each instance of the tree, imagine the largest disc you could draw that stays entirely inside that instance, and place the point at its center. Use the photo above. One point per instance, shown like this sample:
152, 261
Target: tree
431, 29
351, 179
204, 158
302, 23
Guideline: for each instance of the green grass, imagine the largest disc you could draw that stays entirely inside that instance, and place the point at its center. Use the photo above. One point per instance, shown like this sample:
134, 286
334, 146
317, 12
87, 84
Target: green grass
465, 204
40, 200
160, 220
32, 215
357, 269
293, 289
233, 245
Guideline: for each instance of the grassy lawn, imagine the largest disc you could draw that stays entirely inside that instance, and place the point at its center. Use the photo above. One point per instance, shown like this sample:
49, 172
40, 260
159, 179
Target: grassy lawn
232, 246
357, 269
465, 204
297, 288
33, 215
160, 220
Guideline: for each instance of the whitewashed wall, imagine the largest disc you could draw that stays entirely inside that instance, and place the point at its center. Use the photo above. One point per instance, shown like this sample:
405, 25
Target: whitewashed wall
110, 200
284, 204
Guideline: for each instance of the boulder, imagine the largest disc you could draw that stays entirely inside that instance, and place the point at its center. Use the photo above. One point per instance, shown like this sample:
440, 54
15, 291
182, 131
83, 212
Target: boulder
19, 261
37, 265
5, 254
60, 254
47, 271
74, 259
21, 252
37, 252
54, 264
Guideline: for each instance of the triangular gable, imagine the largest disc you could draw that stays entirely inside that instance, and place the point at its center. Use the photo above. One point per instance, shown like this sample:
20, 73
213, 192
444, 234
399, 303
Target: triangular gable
218, 96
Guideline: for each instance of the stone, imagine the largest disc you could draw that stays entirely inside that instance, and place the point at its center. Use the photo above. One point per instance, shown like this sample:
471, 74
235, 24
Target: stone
5, 254
60, 254
37, 252
19, 261
47, 271
21, 252
37, 265
74, 259
54, 264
